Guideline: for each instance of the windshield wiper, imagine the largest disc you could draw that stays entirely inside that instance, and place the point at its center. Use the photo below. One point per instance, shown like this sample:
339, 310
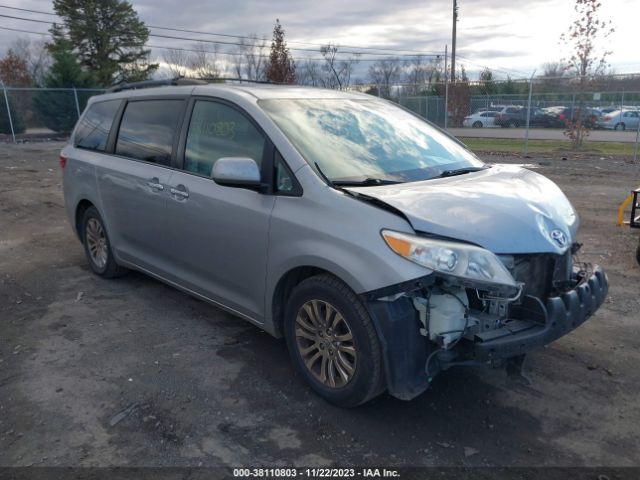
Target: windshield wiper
461, 171
367, 182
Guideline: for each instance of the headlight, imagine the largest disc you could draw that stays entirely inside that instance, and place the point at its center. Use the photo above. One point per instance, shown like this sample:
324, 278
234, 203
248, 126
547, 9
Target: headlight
460, 260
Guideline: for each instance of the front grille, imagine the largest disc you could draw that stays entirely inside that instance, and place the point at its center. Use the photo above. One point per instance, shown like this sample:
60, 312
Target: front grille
543, 274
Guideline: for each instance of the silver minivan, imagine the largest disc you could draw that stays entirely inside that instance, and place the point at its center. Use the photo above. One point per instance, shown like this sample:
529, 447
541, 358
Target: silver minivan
380, 247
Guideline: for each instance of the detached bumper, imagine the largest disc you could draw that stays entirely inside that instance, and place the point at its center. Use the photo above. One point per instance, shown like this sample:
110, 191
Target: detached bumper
541, 324
534, 325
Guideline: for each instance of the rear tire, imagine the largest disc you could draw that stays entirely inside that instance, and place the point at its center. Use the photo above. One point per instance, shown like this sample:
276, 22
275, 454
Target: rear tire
332, 341
97, 247
619, 126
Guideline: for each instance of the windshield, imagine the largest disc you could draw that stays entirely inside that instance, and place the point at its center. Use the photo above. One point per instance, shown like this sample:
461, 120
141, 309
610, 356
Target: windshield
360, 140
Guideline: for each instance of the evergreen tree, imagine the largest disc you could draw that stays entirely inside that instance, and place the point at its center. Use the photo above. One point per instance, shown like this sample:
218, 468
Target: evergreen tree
16, 117
281, 68
57, 109
487, 82
107, 36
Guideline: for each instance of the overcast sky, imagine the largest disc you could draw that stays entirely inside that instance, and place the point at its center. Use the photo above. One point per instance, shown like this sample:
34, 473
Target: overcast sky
510, 37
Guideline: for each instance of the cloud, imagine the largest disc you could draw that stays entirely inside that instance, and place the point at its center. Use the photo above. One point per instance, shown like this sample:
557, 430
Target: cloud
519, 36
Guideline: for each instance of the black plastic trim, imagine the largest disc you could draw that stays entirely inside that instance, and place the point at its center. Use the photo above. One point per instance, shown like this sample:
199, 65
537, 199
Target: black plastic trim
560, 315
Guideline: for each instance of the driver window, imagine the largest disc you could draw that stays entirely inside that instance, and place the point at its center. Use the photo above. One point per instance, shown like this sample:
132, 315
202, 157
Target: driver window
216, 131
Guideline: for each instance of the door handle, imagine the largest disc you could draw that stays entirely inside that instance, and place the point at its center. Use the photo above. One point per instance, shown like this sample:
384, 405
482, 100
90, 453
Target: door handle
155, 184
179, 193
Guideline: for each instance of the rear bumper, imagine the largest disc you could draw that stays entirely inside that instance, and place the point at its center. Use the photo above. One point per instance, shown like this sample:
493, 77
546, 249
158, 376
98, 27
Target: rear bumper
540, 324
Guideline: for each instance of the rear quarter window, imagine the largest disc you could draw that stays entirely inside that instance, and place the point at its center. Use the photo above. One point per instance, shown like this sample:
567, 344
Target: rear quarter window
94, 126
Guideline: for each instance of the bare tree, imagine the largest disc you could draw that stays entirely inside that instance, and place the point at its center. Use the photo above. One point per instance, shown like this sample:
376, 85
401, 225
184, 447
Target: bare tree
178, 61
310, 73
338, 72
250, 58
35, 55
204, 61
421, 74
385, 73
587, 58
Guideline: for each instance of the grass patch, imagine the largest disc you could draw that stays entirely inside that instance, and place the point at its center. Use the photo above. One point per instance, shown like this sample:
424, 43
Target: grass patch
514, 145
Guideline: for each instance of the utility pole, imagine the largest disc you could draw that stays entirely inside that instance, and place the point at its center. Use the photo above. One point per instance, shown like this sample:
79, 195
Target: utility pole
453, 41
446, 87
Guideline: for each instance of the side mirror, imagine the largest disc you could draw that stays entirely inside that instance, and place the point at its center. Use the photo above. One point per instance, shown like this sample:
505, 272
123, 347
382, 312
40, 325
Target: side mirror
236, 172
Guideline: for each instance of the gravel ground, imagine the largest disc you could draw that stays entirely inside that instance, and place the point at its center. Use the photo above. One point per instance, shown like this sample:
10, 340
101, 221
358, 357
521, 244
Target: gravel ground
134, 373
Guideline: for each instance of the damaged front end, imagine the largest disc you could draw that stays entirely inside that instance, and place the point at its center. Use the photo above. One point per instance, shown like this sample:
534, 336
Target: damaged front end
446, 319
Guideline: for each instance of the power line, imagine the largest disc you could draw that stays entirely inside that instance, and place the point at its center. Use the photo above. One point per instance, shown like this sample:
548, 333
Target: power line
24, 31
244, 37
219, 42
195, 50
27, 10
26, 19
497, 69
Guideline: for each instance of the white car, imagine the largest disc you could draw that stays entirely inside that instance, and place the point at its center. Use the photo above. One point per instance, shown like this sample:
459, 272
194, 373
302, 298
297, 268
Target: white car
480, 119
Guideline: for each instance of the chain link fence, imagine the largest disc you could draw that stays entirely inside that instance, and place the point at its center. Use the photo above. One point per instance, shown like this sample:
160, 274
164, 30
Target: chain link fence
432, 106
558, 109
548, 105
41, 112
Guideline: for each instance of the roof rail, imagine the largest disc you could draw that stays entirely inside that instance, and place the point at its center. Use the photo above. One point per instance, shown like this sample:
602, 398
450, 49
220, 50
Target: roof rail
180, 81
238, 80
155, 83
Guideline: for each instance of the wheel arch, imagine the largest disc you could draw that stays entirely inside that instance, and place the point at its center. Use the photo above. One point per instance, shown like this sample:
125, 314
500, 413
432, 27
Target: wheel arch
285, 285
83, 206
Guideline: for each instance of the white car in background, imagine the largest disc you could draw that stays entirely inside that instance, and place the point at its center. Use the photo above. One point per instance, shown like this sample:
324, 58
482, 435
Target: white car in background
480, 119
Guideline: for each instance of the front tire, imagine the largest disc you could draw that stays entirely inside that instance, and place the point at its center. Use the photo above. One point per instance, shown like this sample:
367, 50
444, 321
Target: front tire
477, 124
332, 341
97, 247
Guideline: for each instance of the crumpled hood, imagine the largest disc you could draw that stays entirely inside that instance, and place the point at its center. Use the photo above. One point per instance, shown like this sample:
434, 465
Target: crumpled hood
505, 209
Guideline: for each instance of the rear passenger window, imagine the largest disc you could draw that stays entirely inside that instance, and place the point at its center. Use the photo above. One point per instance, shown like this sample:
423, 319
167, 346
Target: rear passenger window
148, 129
216, 131
93, 130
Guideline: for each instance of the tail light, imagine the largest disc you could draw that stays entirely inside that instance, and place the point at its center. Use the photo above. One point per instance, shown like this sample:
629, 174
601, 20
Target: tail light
606, 118
501, 116
561, 117
63, 160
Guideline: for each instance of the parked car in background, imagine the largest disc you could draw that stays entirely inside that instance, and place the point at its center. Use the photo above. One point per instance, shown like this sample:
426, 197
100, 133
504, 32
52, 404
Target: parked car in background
606, 110
516, 116
620, 120
562, 115
510, 116
480, 119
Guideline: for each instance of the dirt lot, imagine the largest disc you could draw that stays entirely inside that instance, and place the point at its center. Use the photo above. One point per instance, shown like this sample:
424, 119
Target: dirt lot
132, 372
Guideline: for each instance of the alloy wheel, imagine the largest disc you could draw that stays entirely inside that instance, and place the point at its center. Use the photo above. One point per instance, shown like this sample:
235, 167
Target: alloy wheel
96, 242
325, 343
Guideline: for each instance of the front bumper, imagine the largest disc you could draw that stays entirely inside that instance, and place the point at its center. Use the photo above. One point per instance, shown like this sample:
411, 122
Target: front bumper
533, 325
538, 324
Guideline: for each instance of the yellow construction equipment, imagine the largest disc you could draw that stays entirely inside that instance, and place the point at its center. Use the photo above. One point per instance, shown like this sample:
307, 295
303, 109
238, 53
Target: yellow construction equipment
634, 217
